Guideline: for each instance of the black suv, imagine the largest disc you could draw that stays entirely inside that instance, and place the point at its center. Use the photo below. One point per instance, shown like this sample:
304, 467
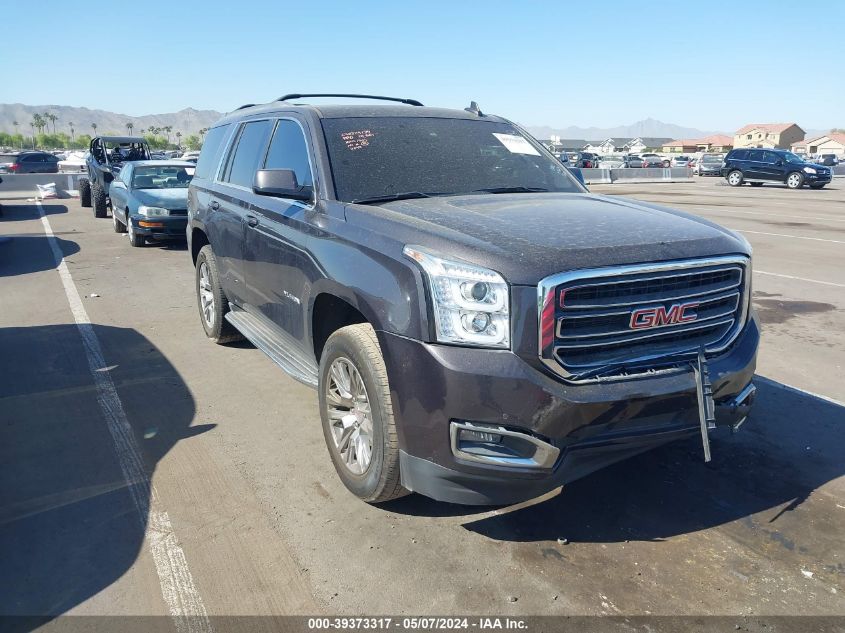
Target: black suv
479, 327
756, 166
29, 163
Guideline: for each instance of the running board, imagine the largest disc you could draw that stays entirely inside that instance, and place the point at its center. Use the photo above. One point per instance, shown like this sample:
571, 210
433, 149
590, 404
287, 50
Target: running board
273, 343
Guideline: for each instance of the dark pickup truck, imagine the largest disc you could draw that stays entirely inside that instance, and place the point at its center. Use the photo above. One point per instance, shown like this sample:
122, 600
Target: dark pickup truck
479, 327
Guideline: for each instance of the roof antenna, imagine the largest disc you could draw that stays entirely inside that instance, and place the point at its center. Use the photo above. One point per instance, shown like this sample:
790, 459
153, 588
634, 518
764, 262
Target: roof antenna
473, 109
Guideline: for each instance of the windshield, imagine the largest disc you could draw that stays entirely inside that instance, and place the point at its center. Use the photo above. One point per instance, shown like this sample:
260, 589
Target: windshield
376, 157
161, 177
792, 158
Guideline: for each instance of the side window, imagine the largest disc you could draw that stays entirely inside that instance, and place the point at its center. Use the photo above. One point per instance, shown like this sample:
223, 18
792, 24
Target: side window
32, 158
739, 154
755, 156
770, 157
210, 154
125, 175
289, 151
248, 153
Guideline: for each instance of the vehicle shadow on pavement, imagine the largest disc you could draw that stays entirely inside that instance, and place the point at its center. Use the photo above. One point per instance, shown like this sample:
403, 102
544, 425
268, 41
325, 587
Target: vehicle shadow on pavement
791, 444
24, 254
18, 211
68, 524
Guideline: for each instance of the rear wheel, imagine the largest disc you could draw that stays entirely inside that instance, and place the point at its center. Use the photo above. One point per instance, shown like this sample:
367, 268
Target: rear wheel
84, 192
119, 227
795, 180
357, 414
98, 201
212, 301
735, 178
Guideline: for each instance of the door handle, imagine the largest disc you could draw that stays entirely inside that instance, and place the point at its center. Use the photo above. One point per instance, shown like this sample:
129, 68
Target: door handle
251, 220
214, 205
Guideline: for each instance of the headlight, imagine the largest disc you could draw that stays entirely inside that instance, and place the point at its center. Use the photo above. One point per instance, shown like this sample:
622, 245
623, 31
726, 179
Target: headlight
470, 303
152, 212
809, 170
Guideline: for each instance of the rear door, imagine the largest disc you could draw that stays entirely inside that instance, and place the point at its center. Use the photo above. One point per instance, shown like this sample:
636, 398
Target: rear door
30, 164
752, 166
278, 263
231, 200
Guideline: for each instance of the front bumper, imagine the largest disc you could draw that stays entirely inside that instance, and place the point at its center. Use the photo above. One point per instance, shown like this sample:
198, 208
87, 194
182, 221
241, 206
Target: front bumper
592, 424
162, 228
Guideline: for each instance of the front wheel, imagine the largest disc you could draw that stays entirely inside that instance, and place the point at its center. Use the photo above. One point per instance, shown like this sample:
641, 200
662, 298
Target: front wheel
735, 178
794, 180
212, 301
357, 414
135, 239
98, 200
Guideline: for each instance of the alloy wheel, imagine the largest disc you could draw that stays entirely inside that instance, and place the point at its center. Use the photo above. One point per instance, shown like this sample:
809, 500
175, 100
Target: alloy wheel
206, 295
350, 415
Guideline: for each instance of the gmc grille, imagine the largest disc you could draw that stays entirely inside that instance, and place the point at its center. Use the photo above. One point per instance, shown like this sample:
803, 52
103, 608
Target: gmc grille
632, 319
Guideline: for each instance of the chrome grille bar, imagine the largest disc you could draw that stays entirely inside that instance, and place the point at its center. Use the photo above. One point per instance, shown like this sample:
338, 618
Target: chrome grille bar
584, 323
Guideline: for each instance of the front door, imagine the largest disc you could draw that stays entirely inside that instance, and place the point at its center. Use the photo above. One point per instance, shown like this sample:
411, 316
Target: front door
772, 167
279, 265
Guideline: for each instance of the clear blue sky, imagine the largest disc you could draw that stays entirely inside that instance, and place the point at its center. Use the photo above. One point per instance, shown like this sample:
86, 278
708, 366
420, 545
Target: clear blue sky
712, 65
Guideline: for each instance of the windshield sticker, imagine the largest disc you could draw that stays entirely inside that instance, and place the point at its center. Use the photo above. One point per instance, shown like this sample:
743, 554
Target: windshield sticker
357, 139
516, 144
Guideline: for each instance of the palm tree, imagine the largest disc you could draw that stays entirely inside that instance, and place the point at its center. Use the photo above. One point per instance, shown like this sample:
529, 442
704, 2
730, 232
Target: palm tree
202, 132
168, 129
94, 127
53, 118
70, 125
16, 124
179, 140
142, 131
129, 127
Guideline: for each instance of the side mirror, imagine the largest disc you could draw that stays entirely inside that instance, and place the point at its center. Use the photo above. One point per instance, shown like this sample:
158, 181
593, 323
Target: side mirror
280, 183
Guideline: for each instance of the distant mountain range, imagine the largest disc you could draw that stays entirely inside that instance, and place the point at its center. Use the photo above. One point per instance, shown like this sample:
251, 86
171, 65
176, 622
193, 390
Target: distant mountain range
646, 128
187, 121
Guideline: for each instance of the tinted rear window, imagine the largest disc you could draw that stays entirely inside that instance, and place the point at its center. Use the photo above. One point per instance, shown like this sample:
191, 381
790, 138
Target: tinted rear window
249, 152
739, 154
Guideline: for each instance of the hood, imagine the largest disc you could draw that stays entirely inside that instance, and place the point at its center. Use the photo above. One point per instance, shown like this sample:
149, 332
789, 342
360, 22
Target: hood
527, 237
164, 198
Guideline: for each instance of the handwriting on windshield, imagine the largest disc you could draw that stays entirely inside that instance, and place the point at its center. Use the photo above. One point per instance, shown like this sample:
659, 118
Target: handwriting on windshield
358, 139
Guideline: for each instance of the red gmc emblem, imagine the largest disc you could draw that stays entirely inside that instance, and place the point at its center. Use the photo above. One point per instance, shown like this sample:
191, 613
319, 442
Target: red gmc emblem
657, 316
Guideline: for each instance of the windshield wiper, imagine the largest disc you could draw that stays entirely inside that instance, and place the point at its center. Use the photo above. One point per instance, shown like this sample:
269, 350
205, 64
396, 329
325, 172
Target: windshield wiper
510, 190
407, 195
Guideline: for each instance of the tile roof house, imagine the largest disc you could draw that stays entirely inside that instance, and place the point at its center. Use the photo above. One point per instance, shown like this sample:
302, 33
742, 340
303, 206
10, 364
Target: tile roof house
826, 144
781, 135
711, 143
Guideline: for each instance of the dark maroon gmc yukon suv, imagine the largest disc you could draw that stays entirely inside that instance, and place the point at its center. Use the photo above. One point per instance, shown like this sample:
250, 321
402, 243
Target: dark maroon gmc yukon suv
479, 327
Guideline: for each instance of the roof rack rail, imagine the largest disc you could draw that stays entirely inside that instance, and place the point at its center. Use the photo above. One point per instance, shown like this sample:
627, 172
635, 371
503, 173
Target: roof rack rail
246, 105
412, 102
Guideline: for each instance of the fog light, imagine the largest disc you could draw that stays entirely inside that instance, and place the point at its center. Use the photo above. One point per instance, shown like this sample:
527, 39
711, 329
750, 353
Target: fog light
479, 436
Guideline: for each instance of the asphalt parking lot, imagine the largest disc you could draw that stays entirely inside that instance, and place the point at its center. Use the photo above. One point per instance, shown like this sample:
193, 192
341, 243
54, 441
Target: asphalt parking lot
246, 507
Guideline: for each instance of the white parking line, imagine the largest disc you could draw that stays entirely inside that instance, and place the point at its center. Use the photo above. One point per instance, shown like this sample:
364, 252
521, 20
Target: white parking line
813, 281
794, 237
177, 585
729, 211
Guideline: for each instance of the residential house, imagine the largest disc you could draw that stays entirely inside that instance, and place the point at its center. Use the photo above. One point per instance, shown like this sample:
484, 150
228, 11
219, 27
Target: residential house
624, 145
714, 143
781, 135
827, 144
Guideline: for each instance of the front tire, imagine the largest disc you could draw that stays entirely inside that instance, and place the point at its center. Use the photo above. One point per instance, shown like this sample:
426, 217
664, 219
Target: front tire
135, 239
211, 300
98, 200
735, 178
795, 180
357, 414
84, 192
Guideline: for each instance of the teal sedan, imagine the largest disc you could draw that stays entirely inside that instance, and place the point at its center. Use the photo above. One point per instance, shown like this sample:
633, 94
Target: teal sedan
149, 199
